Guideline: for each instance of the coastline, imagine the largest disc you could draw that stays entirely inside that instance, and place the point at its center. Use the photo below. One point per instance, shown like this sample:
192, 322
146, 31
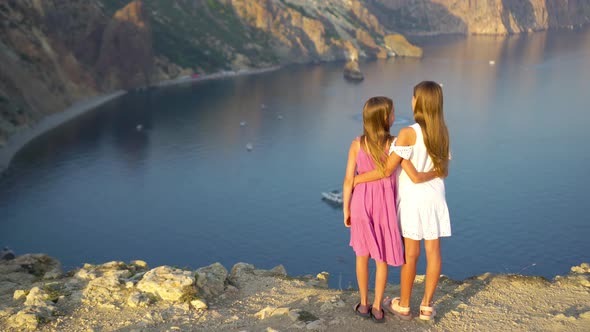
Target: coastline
17, 141
214, 76
35, 294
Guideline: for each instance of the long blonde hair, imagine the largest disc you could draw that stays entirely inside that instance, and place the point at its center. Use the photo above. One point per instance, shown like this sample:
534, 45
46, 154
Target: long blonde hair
428, 112
376, 136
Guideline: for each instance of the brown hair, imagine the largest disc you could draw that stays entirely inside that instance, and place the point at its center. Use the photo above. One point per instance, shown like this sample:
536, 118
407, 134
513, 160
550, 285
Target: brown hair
376, 136
428, 112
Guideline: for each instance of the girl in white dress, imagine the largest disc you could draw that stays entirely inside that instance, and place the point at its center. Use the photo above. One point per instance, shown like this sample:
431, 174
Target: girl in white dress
422, 209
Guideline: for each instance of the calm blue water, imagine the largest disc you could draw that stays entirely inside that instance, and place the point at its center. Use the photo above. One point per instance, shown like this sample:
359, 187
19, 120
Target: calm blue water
186, 192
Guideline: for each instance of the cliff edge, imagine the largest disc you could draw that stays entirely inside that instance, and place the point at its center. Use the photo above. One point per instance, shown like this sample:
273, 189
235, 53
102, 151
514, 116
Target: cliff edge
36, 295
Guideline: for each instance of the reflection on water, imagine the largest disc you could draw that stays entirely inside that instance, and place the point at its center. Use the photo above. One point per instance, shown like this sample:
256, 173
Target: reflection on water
184, 190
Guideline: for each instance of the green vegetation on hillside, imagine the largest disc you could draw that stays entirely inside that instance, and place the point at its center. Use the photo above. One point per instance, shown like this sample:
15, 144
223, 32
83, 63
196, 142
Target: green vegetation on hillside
111, 6
329, 29
202, 35
399, 19
351, 18
298, 8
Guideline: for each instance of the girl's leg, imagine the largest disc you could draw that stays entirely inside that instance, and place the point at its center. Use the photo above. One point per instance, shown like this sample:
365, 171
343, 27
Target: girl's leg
380, 282
408, 273
433, 268
362, 277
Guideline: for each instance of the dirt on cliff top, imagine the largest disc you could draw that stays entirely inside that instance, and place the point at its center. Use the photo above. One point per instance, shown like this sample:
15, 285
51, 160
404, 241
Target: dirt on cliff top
267, 300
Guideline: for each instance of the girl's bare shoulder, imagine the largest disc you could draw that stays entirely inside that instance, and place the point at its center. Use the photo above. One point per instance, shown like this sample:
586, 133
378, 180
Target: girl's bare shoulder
355, 144
407, 136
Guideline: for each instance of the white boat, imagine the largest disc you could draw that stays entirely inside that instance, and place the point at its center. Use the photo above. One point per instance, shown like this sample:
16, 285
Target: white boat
334, 196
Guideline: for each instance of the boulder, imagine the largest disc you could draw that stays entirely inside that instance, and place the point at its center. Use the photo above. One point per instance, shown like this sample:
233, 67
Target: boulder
19, 294
168, 283
106, 291
38, 265
211, 280
107, 285
238, 271
37, 310
6, 254
22, 271
26, 319
279, 270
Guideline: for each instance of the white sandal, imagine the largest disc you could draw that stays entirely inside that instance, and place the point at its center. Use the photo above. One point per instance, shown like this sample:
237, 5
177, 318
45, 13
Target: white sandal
427, 309
392, 306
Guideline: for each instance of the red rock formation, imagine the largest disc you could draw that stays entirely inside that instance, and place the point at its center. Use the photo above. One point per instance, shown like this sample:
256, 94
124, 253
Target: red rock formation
302, 36
126, 58
480, 17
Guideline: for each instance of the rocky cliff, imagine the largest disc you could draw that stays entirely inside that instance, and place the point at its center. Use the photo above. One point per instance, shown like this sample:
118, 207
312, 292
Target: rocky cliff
35, 294
479, 16
55, 52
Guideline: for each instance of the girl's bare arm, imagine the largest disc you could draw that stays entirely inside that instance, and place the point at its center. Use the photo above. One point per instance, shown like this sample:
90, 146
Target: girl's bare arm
406, 137
348, 181
414, 175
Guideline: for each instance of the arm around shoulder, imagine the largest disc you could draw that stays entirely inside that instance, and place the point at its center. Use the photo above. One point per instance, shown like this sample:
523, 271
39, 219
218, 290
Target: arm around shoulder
407, 138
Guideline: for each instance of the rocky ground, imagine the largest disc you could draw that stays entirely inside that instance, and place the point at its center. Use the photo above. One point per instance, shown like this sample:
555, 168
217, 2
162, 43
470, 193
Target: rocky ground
36, 295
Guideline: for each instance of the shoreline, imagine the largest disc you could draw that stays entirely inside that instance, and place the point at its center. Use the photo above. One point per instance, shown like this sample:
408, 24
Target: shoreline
19, 140
214, 76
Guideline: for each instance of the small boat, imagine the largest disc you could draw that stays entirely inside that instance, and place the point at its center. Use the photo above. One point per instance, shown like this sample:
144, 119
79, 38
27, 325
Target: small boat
334, 196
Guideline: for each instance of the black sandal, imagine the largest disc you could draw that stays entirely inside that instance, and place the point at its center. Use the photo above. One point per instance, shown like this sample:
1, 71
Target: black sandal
362, 314
378, 320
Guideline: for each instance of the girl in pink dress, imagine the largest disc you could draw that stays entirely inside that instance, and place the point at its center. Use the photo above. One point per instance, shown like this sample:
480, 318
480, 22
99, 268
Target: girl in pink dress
370, 211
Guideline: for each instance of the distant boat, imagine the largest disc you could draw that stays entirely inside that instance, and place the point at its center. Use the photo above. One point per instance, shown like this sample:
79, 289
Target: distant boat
249, 147
334, 197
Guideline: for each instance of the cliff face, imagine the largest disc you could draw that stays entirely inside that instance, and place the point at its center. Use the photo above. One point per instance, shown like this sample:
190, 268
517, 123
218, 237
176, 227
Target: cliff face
308, 30
125, 58
480, 17
54, 52
39, 71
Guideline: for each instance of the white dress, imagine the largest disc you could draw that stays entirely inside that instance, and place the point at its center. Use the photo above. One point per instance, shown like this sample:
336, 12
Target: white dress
421, 207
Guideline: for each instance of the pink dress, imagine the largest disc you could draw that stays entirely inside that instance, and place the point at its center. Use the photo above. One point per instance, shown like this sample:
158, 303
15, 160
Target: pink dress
374, 229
